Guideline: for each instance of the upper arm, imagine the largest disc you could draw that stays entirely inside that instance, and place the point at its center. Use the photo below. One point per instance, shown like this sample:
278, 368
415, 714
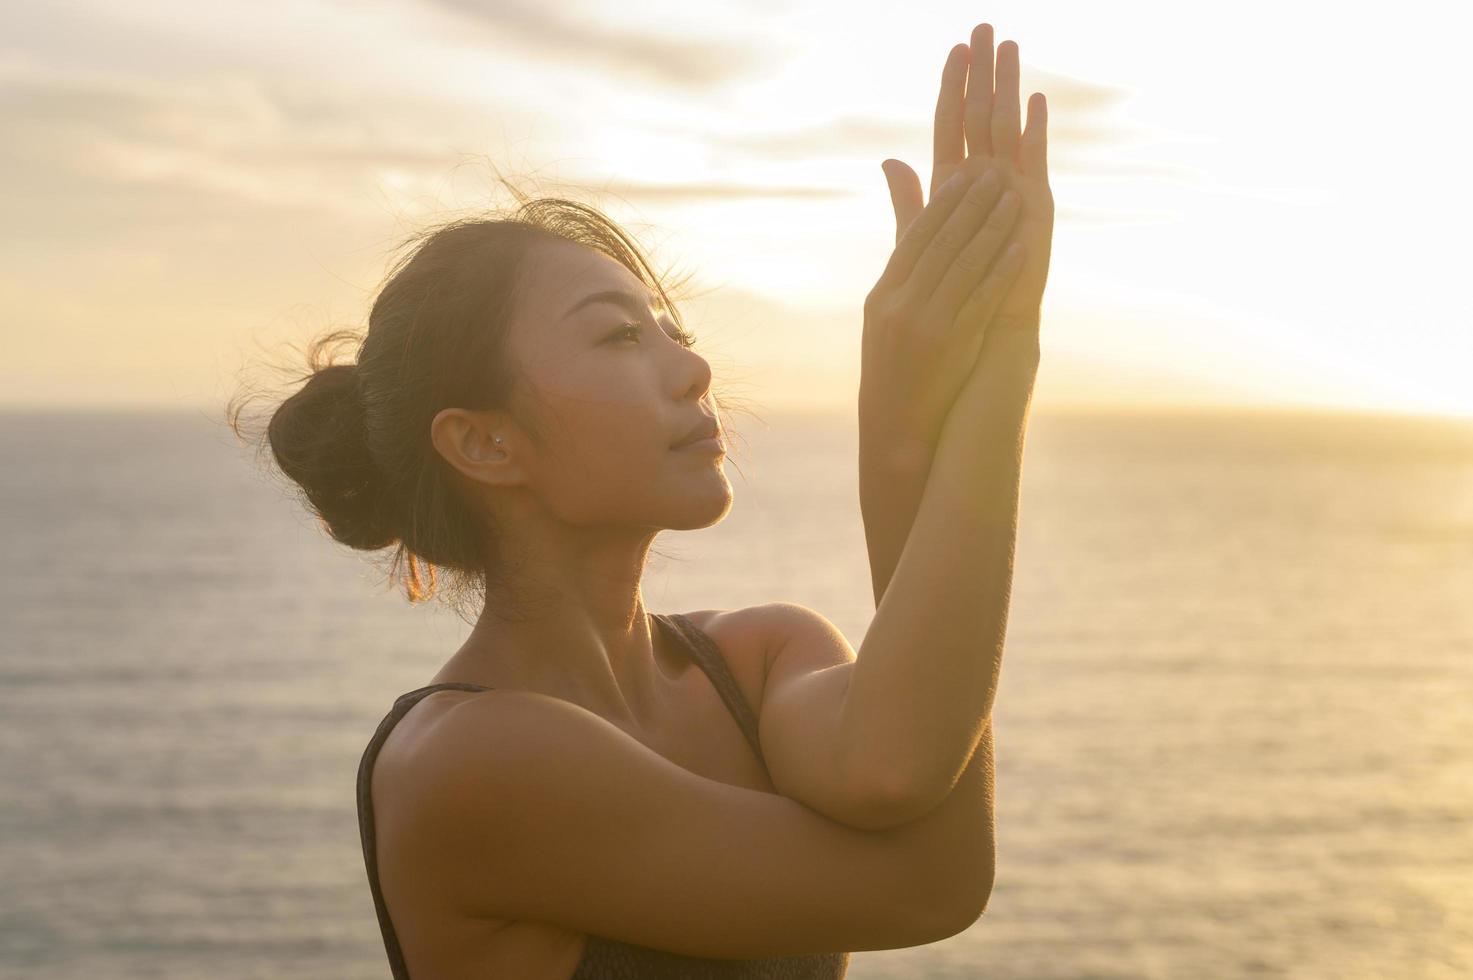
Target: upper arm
809, 666
529, 807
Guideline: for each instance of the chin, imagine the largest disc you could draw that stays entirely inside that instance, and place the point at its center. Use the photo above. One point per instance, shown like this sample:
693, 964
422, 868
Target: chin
703, 508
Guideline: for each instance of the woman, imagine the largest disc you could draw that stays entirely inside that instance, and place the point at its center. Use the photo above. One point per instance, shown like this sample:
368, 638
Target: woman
586, 789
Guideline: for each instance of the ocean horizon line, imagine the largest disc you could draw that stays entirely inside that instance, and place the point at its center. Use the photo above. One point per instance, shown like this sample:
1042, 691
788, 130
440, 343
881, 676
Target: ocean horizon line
816, 410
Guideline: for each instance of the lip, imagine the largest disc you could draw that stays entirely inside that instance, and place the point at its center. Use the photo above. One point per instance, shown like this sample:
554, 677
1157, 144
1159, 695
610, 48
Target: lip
703, 431
711, 445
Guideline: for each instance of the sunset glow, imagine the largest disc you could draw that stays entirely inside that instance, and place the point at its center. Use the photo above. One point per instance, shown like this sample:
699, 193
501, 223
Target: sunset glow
1257, 209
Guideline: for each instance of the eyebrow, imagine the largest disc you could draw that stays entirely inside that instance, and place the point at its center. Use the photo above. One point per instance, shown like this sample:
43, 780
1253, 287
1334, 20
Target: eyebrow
636, 305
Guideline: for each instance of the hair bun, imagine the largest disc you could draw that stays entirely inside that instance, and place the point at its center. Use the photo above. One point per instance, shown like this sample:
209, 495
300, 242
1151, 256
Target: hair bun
319, 437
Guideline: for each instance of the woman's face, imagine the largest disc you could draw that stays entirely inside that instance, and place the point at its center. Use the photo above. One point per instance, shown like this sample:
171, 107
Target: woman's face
615, 387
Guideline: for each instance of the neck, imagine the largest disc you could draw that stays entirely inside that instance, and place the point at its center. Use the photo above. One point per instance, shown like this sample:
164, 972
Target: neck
564, 615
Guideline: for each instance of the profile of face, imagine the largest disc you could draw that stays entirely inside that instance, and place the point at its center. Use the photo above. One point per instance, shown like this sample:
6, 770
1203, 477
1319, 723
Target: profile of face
615, 386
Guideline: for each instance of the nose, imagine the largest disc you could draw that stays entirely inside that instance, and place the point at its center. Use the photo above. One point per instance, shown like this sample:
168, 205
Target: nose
698, 380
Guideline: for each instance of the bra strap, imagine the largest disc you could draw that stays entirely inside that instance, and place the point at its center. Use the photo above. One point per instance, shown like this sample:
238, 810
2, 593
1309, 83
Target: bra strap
708, 656
366, 830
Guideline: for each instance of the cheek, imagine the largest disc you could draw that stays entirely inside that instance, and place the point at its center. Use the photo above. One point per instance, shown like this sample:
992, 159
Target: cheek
599, 404
594, 428
608, 472
602, 448
593, 382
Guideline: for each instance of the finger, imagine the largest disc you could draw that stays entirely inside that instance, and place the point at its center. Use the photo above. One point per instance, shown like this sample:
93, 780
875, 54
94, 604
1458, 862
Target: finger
976, 314
917, 235
947, 149
978, 111
905, 194
1033, 154
1005, 104
975, 259
952, 237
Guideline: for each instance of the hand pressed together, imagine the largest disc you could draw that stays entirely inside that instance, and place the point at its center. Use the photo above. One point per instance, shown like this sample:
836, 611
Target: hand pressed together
952, 281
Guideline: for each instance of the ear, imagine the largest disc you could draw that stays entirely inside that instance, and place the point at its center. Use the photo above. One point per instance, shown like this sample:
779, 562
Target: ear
473, 443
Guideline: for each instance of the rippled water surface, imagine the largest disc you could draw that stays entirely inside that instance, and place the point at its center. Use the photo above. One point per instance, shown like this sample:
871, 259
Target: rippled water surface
1234, 731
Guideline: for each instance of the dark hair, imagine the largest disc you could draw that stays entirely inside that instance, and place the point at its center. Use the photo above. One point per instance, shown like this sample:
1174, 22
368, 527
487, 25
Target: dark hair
355, 439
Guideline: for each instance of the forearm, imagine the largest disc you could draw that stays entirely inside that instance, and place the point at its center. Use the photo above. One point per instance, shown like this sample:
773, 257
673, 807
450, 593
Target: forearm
922, 687
892, 479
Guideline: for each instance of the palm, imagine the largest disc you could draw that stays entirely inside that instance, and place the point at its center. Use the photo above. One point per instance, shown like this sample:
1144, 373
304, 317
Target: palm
977, 126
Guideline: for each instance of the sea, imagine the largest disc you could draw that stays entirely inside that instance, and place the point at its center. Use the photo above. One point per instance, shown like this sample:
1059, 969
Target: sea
1234, 728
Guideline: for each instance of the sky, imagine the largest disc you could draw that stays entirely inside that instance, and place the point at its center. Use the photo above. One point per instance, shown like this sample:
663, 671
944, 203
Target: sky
1258, 205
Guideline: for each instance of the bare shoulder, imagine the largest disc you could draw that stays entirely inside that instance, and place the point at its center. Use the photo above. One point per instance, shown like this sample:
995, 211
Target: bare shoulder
435, 733
776, 627
754, 637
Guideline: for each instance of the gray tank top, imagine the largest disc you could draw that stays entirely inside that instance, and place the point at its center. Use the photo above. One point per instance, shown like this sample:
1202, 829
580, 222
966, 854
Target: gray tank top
604, 958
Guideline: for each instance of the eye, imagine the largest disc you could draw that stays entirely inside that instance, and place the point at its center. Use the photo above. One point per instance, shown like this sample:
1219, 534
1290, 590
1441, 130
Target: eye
685, 338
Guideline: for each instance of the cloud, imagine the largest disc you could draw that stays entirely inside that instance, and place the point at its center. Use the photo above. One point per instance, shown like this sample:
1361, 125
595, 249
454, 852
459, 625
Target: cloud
256, 141
577, 37
698, 192
1080, 124
246, 137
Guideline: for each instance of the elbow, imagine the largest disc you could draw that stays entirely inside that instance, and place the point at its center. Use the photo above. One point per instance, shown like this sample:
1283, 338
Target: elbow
888, 793
897, 803
961, 906
898, 791
973, 878
873, 812
964, 919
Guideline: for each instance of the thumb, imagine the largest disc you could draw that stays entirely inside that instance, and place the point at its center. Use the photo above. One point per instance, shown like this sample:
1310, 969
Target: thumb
905, 194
